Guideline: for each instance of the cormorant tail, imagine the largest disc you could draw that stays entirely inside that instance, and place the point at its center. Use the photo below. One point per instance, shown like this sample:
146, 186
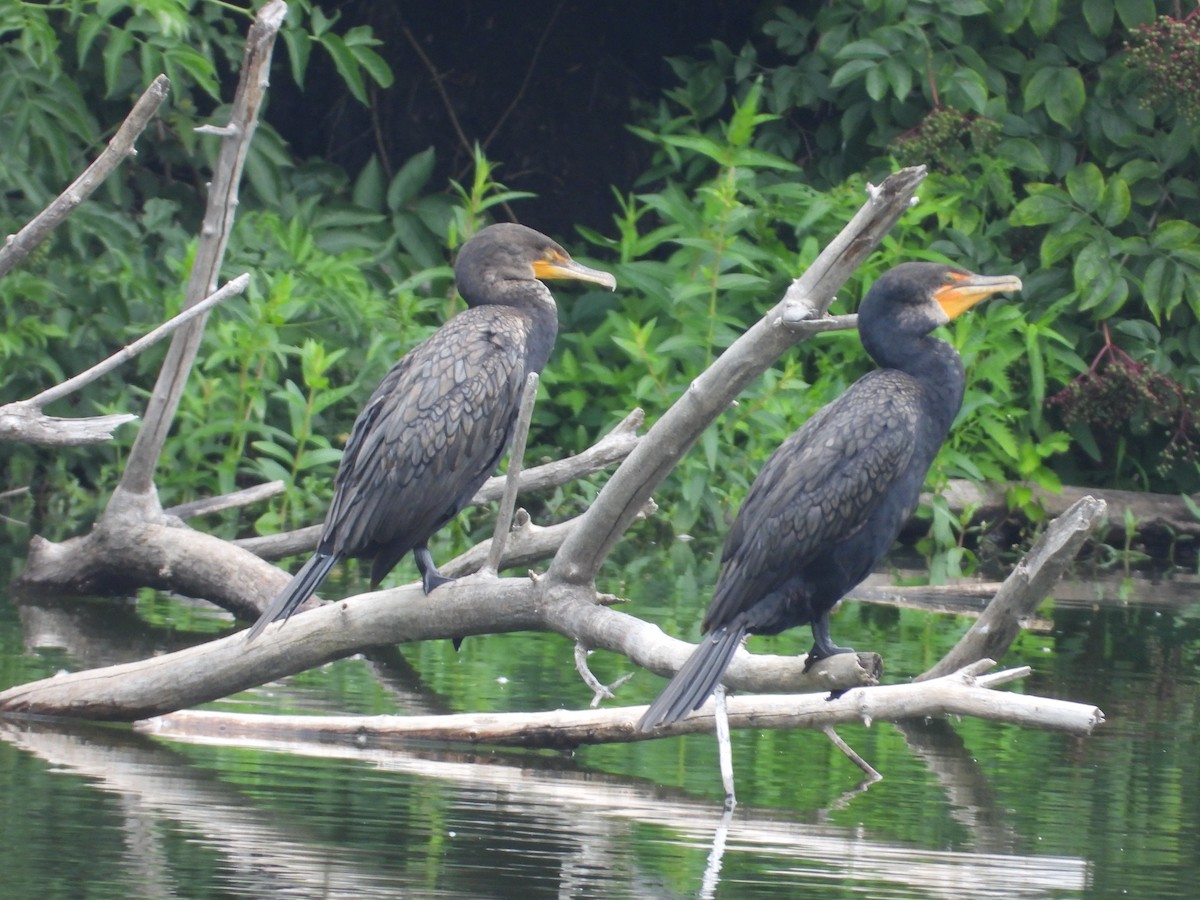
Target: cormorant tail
299, 589
696, 680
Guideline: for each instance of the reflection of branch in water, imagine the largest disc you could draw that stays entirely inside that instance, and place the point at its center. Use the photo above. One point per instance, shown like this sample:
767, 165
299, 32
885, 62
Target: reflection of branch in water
99, 632
161, 789
712, 866
583, 806
972, 801
147, 866
403, 683
872, 774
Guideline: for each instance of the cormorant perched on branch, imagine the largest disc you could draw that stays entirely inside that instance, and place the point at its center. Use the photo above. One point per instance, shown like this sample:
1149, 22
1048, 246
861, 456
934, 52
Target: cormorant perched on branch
440, 420
830, 501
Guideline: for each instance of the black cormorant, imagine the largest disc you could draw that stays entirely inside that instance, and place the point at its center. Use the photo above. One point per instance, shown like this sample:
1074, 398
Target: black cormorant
440, 420
830, 501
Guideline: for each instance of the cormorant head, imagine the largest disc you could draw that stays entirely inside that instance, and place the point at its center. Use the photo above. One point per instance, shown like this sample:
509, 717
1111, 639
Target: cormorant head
914, 298
502, 261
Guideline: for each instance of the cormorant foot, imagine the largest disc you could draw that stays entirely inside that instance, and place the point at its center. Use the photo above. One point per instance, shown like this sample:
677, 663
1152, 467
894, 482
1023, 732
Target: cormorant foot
432, 579
816, 654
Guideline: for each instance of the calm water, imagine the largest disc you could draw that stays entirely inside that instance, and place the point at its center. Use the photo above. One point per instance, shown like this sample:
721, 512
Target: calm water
966, 809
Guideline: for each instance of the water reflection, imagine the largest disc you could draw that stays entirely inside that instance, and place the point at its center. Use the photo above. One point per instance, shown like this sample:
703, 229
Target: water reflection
965, 809
311, 820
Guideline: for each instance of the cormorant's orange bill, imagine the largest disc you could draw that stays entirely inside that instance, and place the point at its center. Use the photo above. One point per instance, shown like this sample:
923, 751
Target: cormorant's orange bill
555, 266
966, 289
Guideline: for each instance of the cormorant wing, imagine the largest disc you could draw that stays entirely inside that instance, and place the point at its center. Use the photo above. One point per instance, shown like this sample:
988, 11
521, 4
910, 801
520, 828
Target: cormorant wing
819, 488
430, 435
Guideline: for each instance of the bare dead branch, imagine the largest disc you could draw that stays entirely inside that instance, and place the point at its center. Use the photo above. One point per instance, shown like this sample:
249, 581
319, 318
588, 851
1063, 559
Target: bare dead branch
836, 739
234, 500
232, 288
24, 421
504, 517
18, 246
1030, 582
136, 490
956, 694
713, 390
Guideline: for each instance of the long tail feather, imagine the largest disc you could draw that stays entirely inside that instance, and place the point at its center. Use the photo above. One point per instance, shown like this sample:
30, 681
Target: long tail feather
299, 589
696, 680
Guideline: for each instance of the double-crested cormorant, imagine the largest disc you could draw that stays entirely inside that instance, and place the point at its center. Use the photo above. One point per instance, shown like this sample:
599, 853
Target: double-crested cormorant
440, 420
830, 501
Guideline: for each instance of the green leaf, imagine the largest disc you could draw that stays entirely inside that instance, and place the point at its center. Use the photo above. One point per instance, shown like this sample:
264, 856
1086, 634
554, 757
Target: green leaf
1085, 184
865, 49
1057, 245
877, 84
899, 76
1093, 273
1001, 436
1043, 208
699, 144
368, 187
413, 176
197, 65
1024, 154
375, 65
970, 86
1065, 99
115, 52
1099, 16
346, 65
299, 47
741, 125
1114, 207
851, 71
1043, 15
752, 158
1038, 86
89, 30
1152, 286
1135, 12
1174, 234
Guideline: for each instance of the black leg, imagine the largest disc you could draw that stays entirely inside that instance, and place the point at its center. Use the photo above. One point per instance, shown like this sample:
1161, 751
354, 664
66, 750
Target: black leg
823, 646
430, 577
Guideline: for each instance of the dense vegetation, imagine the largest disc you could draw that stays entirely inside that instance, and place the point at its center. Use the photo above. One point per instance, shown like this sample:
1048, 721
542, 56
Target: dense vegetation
1064, 143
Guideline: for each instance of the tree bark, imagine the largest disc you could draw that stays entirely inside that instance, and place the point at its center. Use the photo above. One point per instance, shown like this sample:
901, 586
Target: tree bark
20, 245
136, 493
1160, 516
1025, 588
963, 693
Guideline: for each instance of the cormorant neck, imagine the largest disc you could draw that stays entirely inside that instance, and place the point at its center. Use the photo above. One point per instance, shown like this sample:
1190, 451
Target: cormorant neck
493, 289
932, 362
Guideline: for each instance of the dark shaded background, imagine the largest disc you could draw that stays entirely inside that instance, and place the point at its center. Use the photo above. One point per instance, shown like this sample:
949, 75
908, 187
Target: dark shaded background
547, 88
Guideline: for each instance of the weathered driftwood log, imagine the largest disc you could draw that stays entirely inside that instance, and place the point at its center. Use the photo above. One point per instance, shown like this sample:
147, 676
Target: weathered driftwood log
23, 420
1028, 584
476, 605
470, 606
1161, 516
967, 692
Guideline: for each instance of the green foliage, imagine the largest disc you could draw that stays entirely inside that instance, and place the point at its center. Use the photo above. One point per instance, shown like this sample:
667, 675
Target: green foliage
117, 266
1055, 153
